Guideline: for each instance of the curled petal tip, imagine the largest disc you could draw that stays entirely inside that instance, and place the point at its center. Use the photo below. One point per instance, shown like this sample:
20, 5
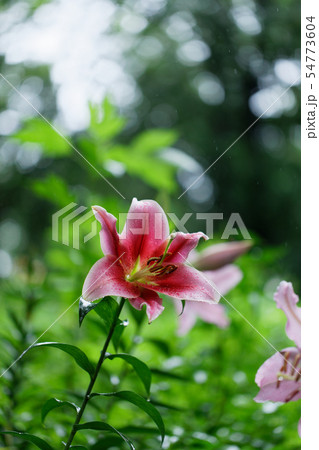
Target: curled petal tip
95, 209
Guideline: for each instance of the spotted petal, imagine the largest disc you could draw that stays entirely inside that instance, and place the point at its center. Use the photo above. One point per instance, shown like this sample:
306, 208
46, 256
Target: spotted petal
152, 301
145, 233
108, 234
184, 283
181, 245
106, 277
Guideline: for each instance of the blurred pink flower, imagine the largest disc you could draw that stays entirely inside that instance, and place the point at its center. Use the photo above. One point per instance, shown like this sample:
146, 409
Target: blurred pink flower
214, 263
143, 261
279, 378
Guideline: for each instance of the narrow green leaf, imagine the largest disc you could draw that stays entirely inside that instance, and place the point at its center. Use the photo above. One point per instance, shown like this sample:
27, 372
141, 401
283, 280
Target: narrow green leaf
161, 345
104, 427
107, 442
141, 403
40, 443
118, 331
139, 366
165, 373
130, 429
78, 355
166, 405
53, 403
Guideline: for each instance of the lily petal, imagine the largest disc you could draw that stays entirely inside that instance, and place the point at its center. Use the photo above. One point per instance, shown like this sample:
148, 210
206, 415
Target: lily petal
286, 300
106, 277
108, 234
145, 233
214, 314
184, 283
187, 319
219, 255
267, 373
225, 278
267, 377
287, 391
152, 301
299, 427
181, 245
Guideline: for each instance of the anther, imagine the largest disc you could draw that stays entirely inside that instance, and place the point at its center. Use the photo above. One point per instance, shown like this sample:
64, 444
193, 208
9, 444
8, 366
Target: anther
155, 260
156, 269
298, 376
291, 396
170, 268
294, 364
284, 367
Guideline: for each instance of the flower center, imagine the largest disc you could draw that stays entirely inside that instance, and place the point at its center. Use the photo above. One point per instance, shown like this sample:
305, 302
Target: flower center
154, 268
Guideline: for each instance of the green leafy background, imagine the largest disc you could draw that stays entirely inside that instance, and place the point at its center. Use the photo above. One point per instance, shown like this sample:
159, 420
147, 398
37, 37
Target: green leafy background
202, 383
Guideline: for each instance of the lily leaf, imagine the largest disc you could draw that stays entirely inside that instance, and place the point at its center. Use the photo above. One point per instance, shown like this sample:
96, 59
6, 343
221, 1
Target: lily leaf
106, 309
107, 442
104, 427
53, 403
167, 374
141, 403
130, 429
78, 355
166, 405
139, 366
161, 345
118, 331
78, 447
40, 443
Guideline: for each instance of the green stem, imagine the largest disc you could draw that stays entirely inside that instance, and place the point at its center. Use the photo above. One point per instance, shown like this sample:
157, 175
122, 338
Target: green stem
94, 377
125, 370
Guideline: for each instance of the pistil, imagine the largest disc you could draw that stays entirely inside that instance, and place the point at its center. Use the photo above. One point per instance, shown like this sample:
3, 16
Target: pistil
153, 268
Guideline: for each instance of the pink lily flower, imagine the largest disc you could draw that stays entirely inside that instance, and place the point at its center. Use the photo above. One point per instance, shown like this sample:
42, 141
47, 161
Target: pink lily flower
144, 261
214, 264
279, 378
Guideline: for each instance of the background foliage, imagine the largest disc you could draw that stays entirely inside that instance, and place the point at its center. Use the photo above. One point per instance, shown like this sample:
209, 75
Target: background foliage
151, 93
